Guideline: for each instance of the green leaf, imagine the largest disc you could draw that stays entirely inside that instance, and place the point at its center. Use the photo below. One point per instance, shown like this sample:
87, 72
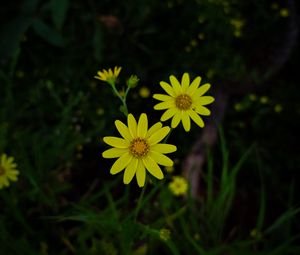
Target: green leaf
59, 10
48, 34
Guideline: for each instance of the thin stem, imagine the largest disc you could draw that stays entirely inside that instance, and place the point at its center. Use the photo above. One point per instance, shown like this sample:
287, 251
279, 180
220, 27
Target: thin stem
123, 99
167, 137
139, 204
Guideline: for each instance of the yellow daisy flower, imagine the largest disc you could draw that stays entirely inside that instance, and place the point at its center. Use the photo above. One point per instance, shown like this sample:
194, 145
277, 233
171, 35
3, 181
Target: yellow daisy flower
8, 171
178, 186
139, 149
184, 101
108, 75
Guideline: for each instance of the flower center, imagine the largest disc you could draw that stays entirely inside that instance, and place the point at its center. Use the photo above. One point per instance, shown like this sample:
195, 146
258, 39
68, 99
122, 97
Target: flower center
183, 102
139, 147
2, 170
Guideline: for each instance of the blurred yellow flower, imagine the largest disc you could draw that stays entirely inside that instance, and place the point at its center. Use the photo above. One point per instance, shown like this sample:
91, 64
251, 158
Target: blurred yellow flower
284, 12
238, 107
179, 186
169, 169
139, 149
164, 234
264, 99
252, 97
108, 75
184, 101
278, 108
144, 92
8, 171
255, 233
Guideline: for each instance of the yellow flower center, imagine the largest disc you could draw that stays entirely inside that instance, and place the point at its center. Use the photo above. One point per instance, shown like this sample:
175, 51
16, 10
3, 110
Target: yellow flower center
2, 170
183, 102
139, 147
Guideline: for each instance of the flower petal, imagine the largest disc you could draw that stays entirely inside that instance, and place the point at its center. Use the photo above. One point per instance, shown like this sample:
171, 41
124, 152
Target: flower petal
164, 105
168, 114
161, 159
142, 126
130, 170
186, 122
162, 97
140, 173
185, 81
167, 87
121, 163
196, 118
158, 135
114, 153
176, 119
175, 84
204, 100
116, 142
123, 130
153, 168
163, 148
132, 125
194, 85
157, 126
201, 91
202, 110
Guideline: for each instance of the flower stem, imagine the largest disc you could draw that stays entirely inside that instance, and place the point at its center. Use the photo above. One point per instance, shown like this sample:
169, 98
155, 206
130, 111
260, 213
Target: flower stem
139, 203
123, 99
167, 137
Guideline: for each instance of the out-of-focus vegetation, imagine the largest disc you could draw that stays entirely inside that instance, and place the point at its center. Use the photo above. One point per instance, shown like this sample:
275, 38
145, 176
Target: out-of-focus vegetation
54, 113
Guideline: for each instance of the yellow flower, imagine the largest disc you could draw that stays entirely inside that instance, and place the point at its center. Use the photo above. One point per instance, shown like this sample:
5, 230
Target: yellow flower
169, 169
108, 75
278, 108
8, 171
139, 149
178, 186
184, 101
164, 234
284, 12
144, 92
264, 100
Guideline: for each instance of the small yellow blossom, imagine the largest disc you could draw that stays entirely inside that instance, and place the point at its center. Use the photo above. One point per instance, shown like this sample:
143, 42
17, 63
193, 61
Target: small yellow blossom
144, 92
132, 81
109, 75
139, 149
179, 186
264, 100
193, 43
252, 97
284, 12
238, 107
185, 101
8, 171
164, 234
275, 6
278, 108
201, 36
169, 169
100, 111
255, 233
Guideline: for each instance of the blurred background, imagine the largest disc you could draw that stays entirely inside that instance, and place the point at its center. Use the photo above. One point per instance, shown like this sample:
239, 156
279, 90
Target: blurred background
53, 115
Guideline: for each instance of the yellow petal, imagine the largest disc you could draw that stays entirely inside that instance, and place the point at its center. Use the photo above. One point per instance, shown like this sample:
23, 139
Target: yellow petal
204, 100
114, 153
160, 158
168, 88
163, 148
158, 135
123, 130
157, 126
165, 105
142, 127
116, 142
196, 118
186, 122
153, 168
168, 114
121, 163
202, 110
194, 85
130, 171
201, 91
162, 97
185, 81
176, 85
141, 173
176, 119
132, 125
3, 159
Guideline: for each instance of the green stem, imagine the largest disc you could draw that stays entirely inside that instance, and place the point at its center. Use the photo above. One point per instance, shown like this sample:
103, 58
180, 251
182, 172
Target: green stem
139, 204
167, 137
123, 99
